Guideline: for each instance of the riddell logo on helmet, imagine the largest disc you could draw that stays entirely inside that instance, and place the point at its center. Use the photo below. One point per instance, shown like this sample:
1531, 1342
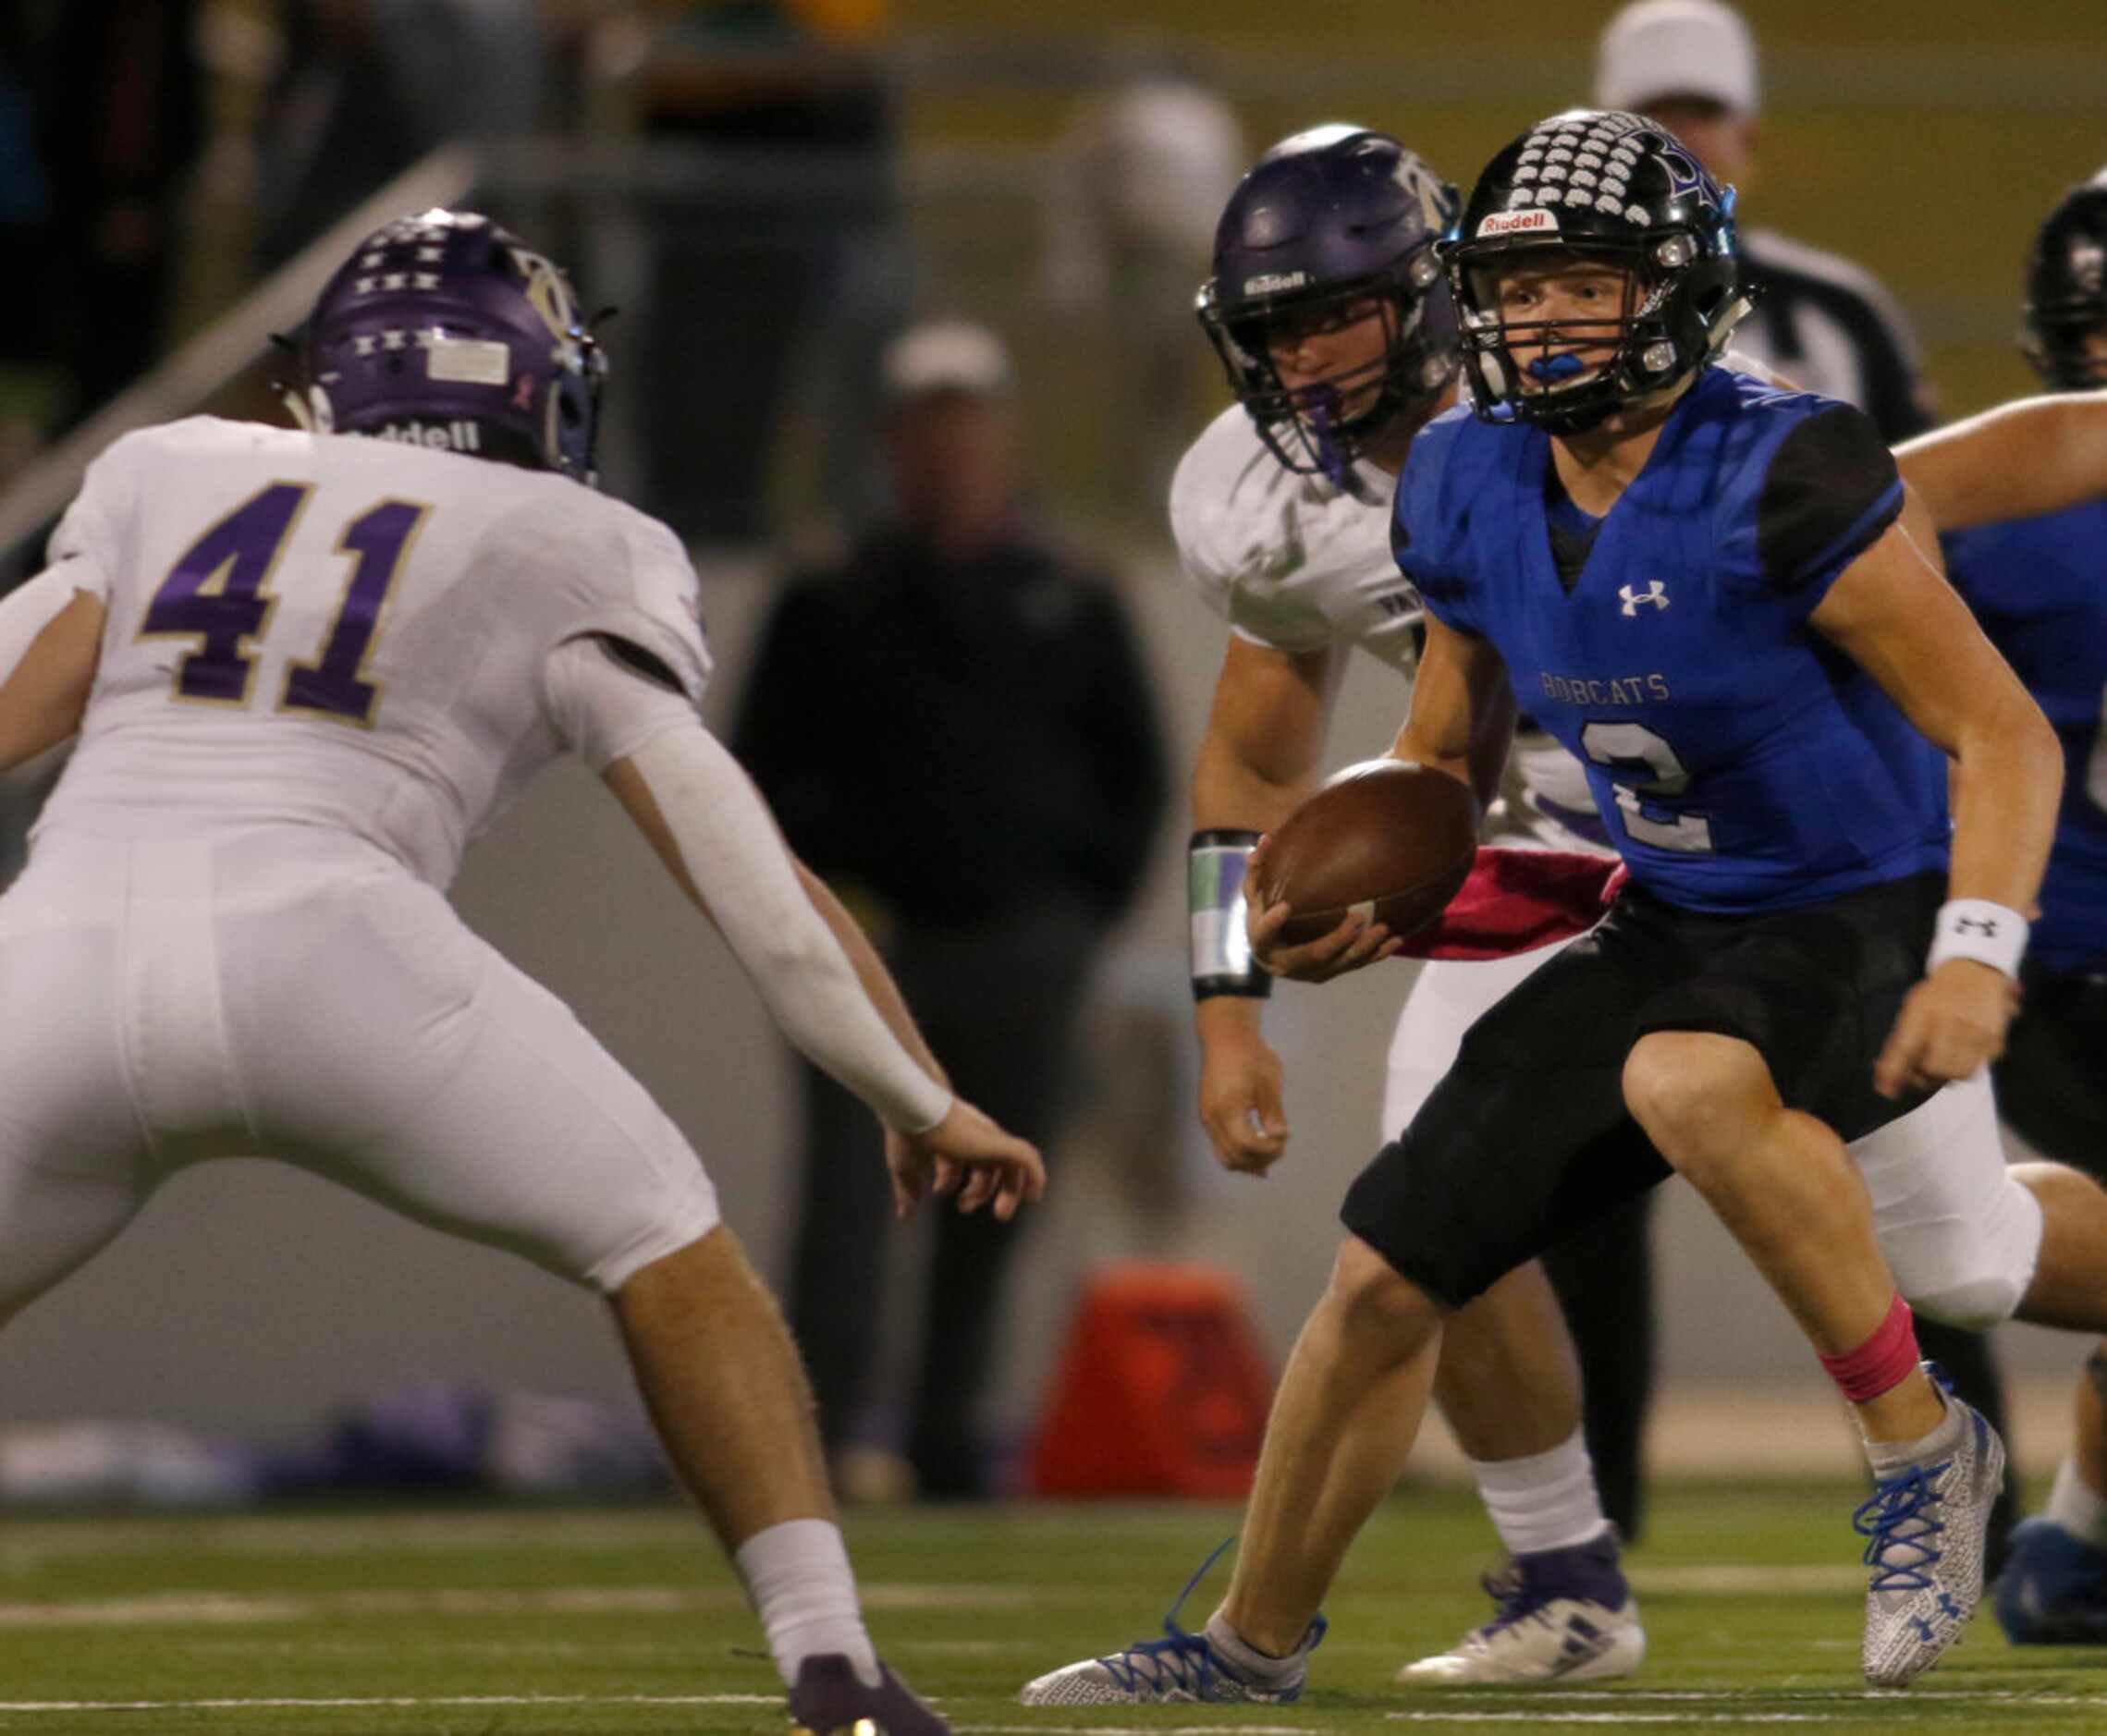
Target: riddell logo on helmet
1518, 221
1273, 282
452, 436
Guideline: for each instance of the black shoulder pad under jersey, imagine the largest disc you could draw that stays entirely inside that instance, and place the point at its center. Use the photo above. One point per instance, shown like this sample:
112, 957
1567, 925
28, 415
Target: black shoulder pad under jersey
1832, 489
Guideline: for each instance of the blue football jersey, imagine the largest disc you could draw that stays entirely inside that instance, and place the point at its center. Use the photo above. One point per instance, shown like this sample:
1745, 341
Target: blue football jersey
1743, 761
2040, 588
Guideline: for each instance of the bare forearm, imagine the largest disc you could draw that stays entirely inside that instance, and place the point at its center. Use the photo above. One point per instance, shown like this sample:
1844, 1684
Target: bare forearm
1445, 748
2007, 786
1492, 736
1264, 737
1229, 792
1461, 719
2017, 461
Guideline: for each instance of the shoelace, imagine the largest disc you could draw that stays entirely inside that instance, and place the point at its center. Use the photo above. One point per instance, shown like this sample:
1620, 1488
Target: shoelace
1515, 1598
1896, 1502
1181, 1660
1510, 1593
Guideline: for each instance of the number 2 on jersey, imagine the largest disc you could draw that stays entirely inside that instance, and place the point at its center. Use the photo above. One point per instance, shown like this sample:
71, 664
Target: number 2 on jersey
1615, 747
219, 593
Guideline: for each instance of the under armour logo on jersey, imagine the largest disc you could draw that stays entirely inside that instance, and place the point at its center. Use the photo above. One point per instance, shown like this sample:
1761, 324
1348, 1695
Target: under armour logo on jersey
1656, 594
1975, 926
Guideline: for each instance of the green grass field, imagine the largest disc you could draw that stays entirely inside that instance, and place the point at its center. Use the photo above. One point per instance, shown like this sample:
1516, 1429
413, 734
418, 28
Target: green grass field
478, 1623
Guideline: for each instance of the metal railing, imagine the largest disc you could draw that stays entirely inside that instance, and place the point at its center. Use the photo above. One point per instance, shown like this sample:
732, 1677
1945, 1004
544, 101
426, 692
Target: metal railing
217, 354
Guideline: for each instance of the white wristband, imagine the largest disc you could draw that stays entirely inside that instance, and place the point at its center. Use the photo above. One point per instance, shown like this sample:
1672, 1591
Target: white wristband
1975, 928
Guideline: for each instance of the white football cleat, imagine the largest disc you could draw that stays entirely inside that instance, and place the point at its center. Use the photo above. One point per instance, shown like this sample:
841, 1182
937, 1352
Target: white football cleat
1562, 1615
1212, 1666
1925, 1527
1180, 1667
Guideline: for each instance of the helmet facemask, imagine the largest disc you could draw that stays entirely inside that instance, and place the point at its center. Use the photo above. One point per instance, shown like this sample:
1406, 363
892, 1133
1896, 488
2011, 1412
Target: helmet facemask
1320, 427
1569, 374
1613, 189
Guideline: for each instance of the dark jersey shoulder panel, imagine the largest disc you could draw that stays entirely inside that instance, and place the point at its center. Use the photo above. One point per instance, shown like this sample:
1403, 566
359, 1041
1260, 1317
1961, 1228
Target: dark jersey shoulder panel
1829, 494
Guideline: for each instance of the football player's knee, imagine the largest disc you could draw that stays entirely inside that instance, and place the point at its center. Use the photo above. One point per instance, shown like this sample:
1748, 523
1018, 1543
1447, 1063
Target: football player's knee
1372, 1296
1971, 1272
669, 1224
1691, 1092
1974, 1305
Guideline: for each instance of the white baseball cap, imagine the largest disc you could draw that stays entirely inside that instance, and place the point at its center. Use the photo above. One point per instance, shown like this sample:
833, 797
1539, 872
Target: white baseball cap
945, 356
1662, 48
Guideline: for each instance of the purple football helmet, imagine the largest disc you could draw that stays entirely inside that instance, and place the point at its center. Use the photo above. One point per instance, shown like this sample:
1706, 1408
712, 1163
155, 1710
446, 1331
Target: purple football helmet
446, 330
1330, 217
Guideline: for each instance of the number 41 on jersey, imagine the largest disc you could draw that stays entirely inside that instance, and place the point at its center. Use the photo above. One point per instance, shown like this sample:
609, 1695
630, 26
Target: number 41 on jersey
219, 593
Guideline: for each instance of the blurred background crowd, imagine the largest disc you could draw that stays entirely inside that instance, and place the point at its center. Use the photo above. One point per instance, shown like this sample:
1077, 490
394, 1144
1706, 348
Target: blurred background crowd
905, 351
770, 187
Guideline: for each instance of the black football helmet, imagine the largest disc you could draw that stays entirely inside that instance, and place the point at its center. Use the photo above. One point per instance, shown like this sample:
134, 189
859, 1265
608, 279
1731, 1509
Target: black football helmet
1329, 217
1616, 187
2066, 289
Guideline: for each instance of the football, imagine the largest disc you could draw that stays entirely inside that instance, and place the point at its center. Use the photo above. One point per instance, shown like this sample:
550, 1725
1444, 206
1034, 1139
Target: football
1388, 835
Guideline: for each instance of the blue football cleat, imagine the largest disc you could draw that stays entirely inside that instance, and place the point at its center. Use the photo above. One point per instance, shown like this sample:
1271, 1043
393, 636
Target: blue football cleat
2053, 1590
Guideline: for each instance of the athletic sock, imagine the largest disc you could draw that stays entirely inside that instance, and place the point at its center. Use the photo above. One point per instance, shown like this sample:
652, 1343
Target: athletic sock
1545, 1501
1891, 1456
799, 1578
1246, 1658
2074, 1507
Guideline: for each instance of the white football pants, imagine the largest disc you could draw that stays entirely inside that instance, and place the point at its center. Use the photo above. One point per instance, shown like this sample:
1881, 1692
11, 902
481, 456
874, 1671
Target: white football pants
284, 994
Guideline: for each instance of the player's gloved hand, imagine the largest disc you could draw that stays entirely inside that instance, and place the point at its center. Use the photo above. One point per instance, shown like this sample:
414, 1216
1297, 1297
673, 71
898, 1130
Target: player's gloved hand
966, 1155
1356, 942
1951, 1024
1239, 1096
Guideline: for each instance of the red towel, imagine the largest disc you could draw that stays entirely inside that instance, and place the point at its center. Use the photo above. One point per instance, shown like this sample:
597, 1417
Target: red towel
1516, 900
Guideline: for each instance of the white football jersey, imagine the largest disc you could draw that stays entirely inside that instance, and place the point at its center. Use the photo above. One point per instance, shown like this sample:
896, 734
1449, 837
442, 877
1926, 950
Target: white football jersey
1296, 564
341, 633
1291, 561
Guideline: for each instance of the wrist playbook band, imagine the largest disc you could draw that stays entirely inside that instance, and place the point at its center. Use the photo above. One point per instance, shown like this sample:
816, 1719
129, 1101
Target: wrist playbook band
1975, 928
1222, 964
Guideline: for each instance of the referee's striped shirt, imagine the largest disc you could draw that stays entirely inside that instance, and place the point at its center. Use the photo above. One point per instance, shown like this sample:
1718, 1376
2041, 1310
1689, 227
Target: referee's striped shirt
1828, 326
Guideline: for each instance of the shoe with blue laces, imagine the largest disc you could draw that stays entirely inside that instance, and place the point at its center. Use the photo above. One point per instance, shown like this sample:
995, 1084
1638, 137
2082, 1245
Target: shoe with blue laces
1924, 1527
2054, 1589
1180, 1667
1559, 1615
